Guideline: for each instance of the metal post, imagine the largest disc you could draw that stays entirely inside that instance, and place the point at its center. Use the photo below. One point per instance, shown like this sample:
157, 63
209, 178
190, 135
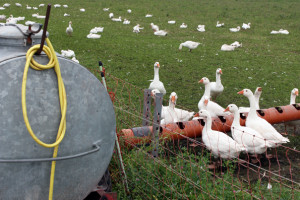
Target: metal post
156, 123
147, 103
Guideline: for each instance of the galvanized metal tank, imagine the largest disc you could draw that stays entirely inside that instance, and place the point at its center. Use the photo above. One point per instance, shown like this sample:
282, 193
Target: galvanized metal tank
87, 147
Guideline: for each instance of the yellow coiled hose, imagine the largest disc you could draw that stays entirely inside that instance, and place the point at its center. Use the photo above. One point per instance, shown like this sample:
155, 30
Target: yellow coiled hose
53, 62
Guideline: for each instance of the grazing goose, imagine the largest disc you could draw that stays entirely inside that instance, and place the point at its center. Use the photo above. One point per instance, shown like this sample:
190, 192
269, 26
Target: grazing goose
220, 144
68, 53
295, 123
257, 94
97, 30
213, 108
183, 25
156, 83
28, 7
2, 17
285, 32
2, 8
237, 29
154, 27
111, 15
246, 26
226, 47
216, 88
6, 5
18, 5
261, 125
40, 16
82, 10
105, 9
201, 28
171, 22
219, 25
129, 10
42, 5
34, 8
119, 19
189, 44
161, 33
66, 15
148, 15
65, 6
57, 5
69, 29
250, 139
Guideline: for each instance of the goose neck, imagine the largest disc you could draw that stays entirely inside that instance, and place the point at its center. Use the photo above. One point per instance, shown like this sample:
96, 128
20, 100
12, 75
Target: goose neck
252, 111
236, 119
156, 74
293, 99
207, 90
208, 123
218, 78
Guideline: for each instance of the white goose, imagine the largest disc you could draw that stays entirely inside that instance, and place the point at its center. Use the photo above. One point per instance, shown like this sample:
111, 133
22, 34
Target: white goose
189, 44
220, 144
111, 15
168, 113
119, 19
82, 10
183, 25
253, 142
129, 10
216, 88
137, 28
105, 9
148, 15
154, 27
161, 33
65, 6
57, 5
261, 125
213, 108
237, 29
294, 94
156, 83
171, 22
28, 7
246, 26
18, 5
257, 94
219, 25
237, 44
69, 29
126, 21
226, 47
201, 28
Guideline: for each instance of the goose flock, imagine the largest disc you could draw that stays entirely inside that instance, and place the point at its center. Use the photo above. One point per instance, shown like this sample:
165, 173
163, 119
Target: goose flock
254, 138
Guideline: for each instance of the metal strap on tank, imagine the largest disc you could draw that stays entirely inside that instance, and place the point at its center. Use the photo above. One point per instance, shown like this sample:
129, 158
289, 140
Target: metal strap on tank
96, 147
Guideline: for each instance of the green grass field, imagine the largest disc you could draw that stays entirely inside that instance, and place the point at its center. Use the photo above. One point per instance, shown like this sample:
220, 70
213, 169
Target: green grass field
269, 61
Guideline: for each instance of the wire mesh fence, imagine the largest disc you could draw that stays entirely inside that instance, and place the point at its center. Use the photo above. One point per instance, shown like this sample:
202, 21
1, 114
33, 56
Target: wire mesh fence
185, 167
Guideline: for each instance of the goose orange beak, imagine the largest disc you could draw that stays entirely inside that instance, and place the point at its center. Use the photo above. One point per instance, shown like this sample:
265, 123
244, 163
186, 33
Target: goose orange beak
201, 81
158, 65
259, 89
241, 92
297, 93
197, 115
221, 72
205, 102
173, 99
227, 109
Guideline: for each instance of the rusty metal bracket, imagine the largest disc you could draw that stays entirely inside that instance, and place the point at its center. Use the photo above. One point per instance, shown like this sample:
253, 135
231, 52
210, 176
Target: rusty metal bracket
44, 30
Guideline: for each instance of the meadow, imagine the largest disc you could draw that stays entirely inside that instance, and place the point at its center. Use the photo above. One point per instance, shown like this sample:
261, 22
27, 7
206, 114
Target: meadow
265, 60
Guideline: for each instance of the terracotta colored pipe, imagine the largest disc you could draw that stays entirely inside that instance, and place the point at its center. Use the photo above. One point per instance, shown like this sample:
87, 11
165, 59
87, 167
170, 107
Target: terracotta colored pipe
194, 128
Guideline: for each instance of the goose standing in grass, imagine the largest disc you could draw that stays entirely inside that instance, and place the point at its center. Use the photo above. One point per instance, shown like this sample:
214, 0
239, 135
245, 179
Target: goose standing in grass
161, 33
57, 5
213, 108
216, 88
237, 29
66, 15
156, 83
18, 5
246, 26
282, 31
183, 25
154, 27
148, 15
111, 15
126, 21
82, 10
129, 10
250, 139
6, 5
257, 94
2, 8
189, 44
105, 9
42, 5
28, 7
219, 24
295, 123
261, 125
65, 6
220, 144
69, 29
